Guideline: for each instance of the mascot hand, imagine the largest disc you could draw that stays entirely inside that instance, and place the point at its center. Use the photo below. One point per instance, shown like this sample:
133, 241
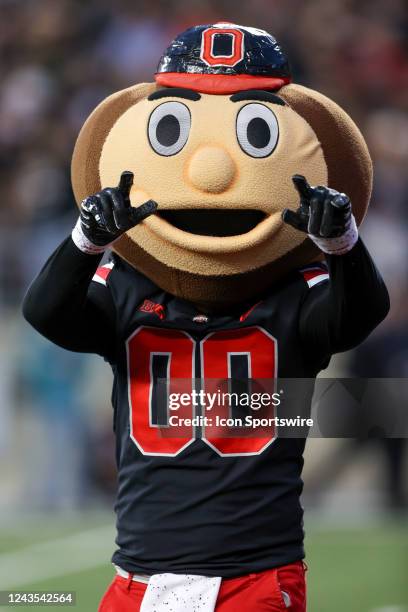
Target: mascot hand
325, 215
107, 215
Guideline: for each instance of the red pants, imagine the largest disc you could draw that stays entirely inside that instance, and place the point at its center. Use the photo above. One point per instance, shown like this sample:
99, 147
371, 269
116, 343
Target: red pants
269, 591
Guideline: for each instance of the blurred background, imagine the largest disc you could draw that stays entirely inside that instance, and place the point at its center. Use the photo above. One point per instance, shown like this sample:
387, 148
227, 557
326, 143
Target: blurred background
58, 60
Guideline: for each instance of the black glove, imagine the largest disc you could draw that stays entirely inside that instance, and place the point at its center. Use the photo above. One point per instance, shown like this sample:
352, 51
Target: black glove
108, 214
323, 212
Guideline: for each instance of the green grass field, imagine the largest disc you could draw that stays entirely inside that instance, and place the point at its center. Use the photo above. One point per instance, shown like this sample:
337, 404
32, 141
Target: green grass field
355, 569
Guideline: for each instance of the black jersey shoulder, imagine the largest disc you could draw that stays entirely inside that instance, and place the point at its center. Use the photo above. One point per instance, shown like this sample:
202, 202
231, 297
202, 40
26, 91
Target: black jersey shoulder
124, 283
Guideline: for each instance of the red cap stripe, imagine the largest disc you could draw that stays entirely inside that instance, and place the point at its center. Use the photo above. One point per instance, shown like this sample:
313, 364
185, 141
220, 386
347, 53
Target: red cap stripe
219, 83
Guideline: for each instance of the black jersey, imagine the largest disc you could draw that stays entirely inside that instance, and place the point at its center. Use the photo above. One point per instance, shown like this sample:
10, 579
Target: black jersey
197, 503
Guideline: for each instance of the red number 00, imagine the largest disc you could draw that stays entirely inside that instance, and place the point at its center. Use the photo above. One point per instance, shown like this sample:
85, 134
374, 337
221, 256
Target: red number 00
173, 352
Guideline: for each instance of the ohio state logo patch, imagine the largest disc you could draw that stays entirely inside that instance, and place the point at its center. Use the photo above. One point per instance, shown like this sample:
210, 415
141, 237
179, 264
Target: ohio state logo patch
222, 46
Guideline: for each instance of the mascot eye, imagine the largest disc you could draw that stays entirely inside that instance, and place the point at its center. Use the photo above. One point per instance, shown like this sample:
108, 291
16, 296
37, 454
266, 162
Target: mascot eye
169, 127
257, 130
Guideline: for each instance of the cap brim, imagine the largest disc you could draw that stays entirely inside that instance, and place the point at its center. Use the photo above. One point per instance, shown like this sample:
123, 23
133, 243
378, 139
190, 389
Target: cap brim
219, 83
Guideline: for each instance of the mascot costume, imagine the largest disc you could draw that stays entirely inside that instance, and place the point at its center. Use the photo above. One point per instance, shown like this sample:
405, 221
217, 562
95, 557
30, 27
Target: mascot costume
235, 254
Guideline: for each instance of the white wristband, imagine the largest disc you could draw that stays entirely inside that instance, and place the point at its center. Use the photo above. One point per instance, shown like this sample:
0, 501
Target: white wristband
83, 243
341, 245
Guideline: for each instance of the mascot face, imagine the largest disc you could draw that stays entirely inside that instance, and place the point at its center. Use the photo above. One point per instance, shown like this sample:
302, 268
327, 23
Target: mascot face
220, 171
219, 165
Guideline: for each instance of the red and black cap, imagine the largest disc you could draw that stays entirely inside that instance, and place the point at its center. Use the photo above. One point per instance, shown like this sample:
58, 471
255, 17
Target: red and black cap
223, 58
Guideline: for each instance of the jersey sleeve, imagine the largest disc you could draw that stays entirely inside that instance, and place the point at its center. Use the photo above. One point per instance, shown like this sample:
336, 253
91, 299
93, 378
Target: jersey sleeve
67, 304
343, 305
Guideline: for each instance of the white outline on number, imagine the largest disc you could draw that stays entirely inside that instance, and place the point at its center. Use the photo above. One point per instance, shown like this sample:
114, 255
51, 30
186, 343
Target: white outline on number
202, 385
275, 345
160, 329
248, 356
153, 354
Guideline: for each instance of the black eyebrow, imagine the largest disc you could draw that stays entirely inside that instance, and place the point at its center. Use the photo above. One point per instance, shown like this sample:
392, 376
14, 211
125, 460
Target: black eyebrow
175, 92
257, 94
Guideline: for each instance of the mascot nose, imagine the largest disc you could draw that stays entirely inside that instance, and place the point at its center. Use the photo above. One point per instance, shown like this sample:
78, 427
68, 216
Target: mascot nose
211, 169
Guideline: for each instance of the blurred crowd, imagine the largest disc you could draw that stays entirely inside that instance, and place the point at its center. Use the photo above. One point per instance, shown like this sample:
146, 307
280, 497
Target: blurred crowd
58, 60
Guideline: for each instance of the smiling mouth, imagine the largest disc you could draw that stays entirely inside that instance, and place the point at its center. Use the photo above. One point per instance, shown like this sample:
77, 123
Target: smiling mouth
213, 222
